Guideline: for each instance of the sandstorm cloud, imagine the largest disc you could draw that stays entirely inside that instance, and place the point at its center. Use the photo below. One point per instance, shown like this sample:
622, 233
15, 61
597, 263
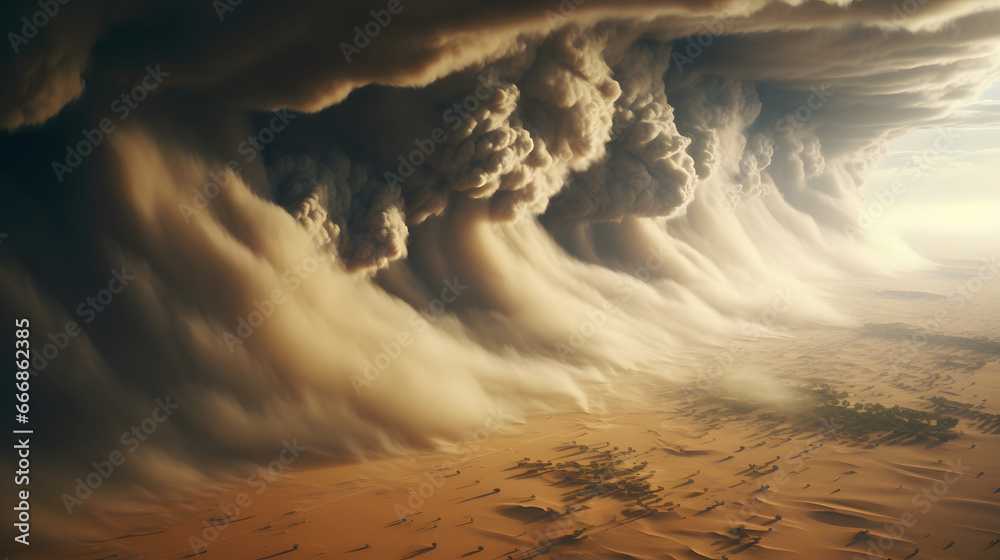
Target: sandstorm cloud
369, 226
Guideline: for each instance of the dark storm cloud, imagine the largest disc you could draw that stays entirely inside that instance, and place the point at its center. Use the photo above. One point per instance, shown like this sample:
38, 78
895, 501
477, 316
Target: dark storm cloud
649, 169
548, 114
375, 277
344, 206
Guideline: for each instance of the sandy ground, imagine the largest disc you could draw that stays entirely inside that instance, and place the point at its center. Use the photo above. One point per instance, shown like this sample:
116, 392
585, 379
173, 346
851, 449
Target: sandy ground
836, 497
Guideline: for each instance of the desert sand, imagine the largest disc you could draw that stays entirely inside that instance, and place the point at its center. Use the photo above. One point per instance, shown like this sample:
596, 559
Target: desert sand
718, 468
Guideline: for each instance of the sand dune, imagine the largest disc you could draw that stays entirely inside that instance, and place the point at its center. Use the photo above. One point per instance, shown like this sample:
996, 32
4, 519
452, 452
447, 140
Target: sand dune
707, 477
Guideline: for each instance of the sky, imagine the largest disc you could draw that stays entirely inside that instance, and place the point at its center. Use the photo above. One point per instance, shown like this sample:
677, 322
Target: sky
966, 223
366, 230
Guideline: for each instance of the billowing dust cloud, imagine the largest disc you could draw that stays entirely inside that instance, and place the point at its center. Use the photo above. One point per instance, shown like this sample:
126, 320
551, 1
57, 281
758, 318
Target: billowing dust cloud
369, 244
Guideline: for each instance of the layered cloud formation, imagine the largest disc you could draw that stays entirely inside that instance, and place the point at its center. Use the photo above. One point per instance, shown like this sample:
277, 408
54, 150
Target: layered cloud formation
478, 206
